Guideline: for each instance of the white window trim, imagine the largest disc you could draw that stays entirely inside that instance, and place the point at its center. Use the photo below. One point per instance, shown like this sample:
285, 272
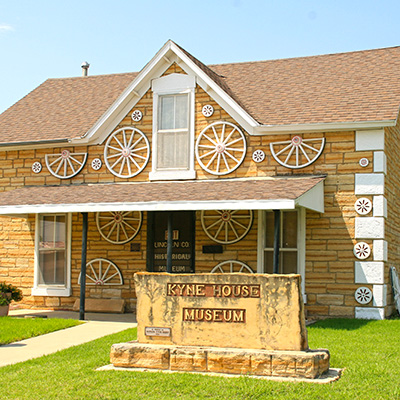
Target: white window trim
53, 290
301, 245
173, 84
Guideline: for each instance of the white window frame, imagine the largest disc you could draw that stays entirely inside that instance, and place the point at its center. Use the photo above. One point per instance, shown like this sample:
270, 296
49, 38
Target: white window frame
301, 244
53, 290
173, 84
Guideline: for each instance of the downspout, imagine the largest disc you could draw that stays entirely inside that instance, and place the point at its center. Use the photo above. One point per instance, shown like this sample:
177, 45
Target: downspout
277, 234
83, 265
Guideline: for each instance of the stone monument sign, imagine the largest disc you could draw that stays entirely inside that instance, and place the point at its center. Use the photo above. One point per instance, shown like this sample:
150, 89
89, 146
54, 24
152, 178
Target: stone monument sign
232, 323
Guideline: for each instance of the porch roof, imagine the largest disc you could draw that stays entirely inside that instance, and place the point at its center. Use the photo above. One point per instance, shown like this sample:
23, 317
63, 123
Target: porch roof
257, 194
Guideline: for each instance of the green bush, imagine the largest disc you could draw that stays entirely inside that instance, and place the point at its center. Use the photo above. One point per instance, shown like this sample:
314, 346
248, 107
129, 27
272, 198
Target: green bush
9, 293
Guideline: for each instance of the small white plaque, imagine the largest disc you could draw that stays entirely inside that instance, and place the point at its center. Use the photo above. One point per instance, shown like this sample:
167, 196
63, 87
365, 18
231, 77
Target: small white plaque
364, 162
153, 331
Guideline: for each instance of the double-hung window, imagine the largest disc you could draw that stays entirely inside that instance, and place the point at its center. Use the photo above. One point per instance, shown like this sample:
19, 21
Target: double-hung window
52, 271
173, 132
173, 127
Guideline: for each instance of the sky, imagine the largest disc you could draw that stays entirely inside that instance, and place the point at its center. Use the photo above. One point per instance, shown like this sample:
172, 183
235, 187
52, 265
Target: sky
41, 39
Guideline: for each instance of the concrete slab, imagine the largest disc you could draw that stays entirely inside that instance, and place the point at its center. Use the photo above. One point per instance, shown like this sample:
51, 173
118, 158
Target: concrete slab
128, 317
52, 342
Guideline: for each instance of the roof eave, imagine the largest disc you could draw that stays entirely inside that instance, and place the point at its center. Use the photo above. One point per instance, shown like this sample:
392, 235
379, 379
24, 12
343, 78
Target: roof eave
168, 54
262, 130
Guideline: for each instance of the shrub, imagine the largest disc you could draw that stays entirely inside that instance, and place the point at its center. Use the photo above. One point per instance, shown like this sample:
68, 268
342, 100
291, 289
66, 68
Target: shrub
8, 293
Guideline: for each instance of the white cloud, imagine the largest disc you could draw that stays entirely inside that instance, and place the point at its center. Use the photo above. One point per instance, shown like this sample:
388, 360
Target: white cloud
4, 27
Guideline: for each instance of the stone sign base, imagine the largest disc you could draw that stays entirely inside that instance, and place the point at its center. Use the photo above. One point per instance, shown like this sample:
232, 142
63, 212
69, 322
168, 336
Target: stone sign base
297, 364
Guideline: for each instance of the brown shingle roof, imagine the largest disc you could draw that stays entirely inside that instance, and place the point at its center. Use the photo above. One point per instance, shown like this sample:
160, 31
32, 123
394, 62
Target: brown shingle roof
345, 87
361, 86
160, 193
62, 108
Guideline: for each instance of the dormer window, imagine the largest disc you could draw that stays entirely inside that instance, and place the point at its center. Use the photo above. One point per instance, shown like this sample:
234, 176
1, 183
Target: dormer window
173, 127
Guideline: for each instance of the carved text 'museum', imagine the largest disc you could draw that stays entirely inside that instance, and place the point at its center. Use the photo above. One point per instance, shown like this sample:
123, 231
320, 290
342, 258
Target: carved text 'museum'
214, 315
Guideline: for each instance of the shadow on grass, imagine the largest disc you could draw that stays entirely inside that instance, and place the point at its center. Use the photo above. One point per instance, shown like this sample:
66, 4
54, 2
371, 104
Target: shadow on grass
342, 324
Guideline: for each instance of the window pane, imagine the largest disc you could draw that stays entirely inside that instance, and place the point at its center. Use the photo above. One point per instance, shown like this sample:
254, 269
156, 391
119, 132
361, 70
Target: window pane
173, 150
167, 112
269, 230
60, 232
47, 232
166, 150
181, 112
289, 230
52, 267
181, 150
269, 262
289, 263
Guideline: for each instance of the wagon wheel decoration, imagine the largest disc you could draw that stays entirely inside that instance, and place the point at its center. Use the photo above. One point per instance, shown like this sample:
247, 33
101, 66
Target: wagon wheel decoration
232, 266
65, 165
101, 271
126, 152
119, 227
220, 148
297, 152
226, 226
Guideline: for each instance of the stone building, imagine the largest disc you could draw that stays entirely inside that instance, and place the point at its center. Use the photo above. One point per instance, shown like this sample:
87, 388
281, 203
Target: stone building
288, 166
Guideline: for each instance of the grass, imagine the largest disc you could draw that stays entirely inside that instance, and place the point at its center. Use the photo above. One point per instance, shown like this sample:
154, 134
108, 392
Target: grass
14, 329
369, 350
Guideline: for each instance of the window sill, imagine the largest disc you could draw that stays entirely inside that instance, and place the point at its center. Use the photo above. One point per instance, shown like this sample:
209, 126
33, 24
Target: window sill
51, 291
171, 175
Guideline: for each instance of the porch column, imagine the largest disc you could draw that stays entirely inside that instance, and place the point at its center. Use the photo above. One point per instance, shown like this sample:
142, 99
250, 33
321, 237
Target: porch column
83, 265
169, 244
277, 234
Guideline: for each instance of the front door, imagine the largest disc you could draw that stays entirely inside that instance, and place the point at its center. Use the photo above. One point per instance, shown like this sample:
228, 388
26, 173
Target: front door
183, 236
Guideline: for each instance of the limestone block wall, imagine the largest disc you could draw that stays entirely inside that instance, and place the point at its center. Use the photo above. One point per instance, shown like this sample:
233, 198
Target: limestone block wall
333, 273
391, 201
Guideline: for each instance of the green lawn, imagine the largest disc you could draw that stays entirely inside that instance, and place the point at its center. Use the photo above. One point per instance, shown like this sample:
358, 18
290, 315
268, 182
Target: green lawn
369, 350
14, 329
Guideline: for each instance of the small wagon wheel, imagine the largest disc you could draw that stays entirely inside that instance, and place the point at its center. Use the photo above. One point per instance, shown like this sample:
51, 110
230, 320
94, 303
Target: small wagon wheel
297, 152
232, 266
126, 152
65, 165
220, 148
119, 227
101, 271
226, 226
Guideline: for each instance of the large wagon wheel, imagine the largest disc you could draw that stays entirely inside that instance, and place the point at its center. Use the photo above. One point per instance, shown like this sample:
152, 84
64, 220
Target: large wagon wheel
297, 152
126, 152
232, 266
65, 165
101, 271
226, 226
119, 227
220, 148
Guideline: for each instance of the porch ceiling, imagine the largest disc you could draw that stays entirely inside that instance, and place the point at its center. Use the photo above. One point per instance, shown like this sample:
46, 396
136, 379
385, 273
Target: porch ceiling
256, 194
